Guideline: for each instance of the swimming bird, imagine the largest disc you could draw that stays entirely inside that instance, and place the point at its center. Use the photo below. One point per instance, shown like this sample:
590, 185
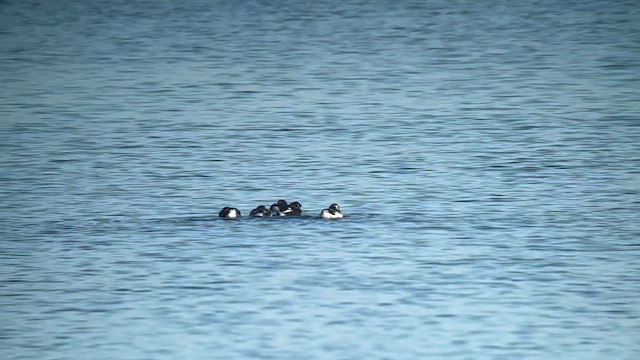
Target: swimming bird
229, 213
295, 209
333, 212
260, 211
275, 210
280, 208
282, 204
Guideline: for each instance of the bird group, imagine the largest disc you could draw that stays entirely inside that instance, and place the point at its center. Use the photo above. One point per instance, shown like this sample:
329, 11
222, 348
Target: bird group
280, 208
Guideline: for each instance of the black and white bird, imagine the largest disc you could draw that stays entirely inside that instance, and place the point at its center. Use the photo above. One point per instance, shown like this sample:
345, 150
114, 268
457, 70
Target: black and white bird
295, 209
229, 213
280, 208
260, 211
276, 210
332, 212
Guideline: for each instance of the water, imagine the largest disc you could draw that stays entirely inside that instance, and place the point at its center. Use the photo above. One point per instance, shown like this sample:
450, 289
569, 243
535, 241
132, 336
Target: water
486, 156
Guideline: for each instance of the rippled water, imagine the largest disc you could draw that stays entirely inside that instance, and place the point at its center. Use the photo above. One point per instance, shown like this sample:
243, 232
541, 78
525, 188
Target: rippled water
486, 155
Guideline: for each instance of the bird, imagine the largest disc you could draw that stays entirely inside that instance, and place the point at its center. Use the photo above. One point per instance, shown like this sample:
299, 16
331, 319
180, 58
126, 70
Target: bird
295, 209
280, 208
229, 213
332, 212
275, 210
282, 204
260, 211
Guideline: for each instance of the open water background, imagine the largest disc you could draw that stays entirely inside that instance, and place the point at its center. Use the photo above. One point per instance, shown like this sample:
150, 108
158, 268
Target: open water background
486, 154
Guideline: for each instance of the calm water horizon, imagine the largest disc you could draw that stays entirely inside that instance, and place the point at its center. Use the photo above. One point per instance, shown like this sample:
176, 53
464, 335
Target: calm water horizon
486, 156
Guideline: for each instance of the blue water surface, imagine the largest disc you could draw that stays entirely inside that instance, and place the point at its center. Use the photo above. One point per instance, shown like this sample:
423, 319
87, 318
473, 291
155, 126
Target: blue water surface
486, 155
